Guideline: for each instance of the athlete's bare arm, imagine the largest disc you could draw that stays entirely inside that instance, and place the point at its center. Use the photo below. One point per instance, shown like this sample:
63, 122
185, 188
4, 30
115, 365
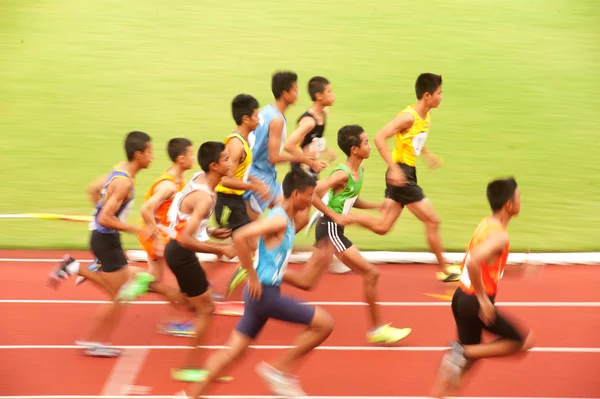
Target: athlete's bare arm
362, 204
162, 192
274, 147
202, 205
433, 161
116, 193
400, 124
236, 152
488, 252
261, 228
94, 188
292, 144
335, 181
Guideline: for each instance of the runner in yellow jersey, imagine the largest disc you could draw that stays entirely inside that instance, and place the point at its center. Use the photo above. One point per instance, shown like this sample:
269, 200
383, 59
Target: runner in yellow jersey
230, 210
411, 130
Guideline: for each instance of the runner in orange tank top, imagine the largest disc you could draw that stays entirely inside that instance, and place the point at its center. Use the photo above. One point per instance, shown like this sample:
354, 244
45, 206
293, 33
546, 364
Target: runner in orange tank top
158, 199
473, 302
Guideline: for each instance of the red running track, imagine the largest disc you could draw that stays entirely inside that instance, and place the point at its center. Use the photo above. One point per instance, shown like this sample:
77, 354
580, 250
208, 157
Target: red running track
39, 357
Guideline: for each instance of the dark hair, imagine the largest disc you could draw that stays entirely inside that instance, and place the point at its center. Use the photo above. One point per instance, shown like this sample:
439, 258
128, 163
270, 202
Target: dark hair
427, 83
208, 153
500, 191
348, 137
282, 81
177, 147
316, 85
134, 142
243, 105
296, 179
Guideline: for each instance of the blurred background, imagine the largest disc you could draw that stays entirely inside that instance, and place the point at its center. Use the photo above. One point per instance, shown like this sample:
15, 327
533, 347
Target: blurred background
521, 83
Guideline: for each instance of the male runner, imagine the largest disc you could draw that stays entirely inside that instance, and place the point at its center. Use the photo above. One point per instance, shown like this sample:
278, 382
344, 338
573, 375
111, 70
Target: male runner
308, 136
115, 199
473, 302
411, 129
190, 212
157, 201
269, 139
262, 295
344, 185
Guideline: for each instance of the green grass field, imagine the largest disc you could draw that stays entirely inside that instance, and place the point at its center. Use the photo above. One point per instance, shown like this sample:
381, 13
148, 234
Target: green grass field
521, 87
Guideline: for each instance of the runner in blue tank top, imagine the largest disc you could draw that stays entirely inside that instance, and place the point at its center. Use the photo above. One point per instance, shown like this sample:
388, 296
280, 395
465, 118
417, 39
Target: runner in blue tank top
262, 295
113, 196
267, 143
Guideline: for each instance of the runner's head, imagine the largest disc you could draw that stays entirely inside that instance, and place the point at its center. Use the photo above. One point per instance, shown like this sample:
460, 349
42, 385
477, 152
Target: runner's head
244, 108
214, 158
320, 91
284, 85
181, 152
353, 140
298, 187
138, 147
504, 195
429, 89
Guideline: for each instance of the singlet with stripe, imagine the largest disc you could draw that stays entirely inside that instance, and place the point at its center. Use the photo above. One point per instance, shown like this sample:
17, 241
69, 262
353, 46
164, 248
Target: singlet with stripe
270, 263
242, 169
160, 216
490, 274
178, 218
316, 134
409, 146
123, 210
343, 201
260, 144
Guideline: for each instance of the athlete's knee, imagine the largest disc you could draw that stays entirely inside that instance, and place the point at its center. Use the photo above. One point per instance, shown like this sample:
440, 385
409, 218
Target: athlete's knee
529, 342
433, 221
371, 276
322, 321
205, 306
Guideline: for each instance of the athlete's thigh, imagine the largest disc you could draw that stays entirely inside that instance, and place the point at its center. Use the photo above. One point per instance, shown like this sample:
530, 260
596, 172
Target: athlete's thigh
352, 258
117, 278
423, 210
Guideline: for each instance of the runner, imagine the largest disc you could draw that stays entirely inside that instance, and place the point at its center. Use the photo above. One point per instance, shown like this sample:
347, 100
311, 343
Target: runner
344, 186
473, 302
114, 200
262, 295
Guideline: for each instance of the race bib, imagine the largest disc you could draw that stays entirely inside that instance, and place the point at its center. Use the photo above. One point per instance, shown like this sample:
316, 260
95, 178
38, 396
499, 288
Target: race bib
418, 142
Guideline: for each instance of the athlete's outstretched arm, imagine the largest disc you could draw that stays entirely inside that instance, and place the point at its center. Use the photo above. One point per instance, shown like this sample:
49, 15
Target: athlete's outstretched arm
203, 204
363, 204
488, 251
252, 231
118, 191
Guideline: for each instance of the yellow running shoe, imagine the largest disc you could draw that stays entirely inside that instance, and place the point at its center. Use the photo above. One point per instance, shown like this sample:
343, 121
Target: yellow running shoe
452, 275
237, 278
387, 335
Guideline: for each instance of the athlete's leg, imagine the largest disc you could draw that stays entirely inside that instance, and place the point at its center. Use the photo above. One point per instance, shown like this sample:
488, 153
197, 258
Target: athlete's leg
204, 308
424, 211
311, 272
390, 212
317, 331
216, 364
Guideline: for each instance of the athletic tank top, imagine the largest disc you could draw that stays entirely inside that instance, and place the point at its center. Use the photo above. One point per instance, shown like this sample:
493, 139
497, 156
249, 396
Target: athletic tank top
270, 264
316, 134
260, 144
242, 169
178, 218
123, 210
408, 146
490, 274
160, 216
343, 201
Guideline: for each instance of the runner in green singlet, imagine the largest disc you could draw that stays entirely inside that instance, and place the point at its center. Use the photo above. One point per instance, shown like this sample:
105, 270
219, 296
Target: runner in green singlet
344, 185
